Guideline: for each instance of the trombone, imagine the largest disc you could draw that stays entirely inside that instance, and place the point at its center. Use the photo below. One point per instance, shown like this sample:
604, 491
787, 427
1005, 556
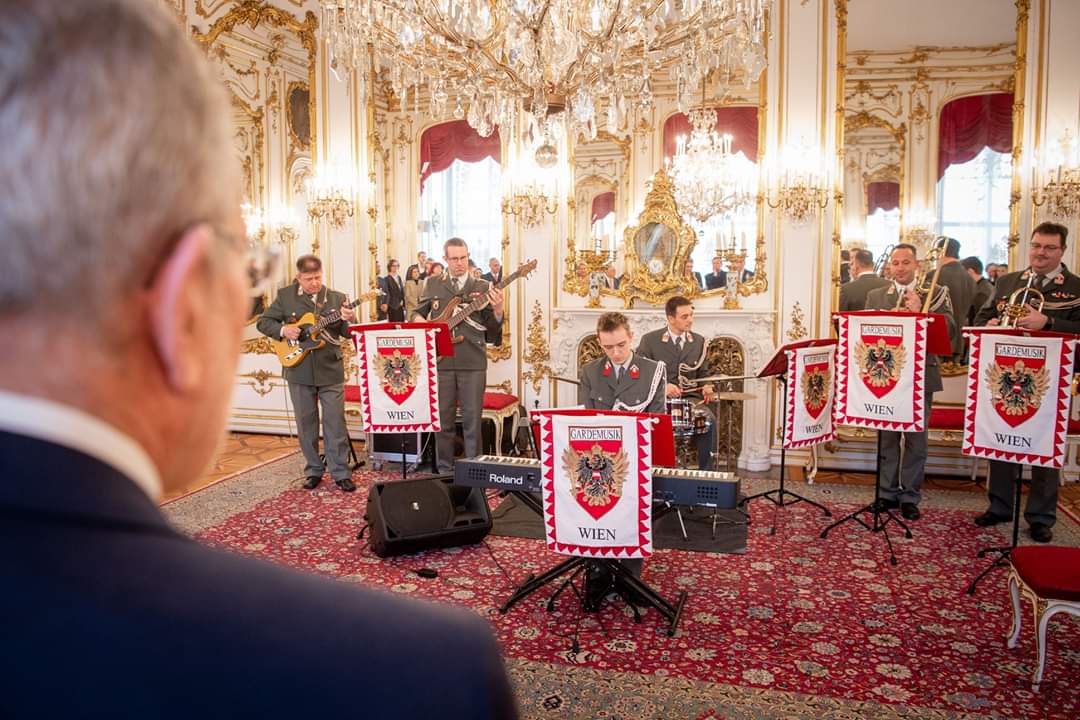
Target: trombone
1019, 300
883, 260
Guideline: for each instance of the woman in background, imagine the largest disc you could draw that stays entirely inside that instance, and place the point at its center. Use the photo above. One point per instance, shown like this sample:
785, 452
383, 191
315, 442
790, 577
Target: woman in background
414, 286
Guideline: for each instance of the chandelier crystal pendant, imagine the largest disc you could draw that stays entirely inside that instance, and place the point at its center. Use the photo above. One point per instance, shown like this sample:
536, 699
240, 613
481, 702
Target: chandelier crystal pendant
710, 181
489, 61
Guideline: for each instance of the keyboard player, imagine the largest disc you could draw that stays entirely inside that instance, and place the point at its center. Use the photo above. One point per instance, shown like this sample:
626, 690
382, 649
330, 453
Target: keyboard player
622, 379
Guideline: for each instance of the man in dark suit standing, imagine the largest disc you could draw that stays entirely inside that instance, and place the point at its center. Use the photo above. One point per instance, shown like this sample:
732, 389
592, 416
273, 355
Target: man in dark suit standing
319, 379
853, 294
462, 377
394, 305
961, 292
984, 289
110, 611
900, 487
495, 272
717, 278
683, 354
1060, 313
420, 264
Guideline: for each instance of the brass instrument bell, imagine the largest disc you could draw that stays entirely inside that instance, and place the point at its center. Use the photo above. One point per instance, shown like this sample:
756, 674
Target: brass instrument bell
1020, 302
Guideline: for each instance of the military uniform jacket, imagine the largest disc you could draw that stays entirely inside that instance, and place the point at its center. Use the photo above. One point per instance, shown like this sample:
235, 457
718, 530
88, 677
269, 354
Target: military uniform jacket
853, 294
961, 294
686, 364
644, 393
476, 330
1062, 299
984, 290
885, 299
323, 366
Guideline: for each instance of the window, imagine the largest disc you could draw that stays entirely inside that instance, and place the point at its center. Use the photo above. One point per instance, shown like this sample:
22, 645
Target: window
882, 230
464, 201
973, 205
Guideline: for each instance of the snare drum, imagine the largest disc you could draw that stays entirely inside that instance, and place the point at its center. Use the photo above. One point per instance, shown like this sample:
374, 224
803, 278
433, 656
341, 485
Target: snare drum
702, 422
682, 418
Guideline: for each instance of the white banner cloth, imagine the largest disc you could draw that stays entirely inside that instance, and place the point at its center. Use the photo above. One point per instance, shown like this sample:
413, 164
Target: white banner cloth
399, 390
1016, 407
597, 484
881, 371
810, 396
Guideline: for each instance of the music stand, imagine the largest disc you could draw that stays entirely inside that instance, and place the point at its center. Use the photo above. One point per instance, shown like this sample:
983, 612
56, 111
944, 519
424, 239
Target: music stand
937, 343
631, 589
777, 367
1003, 553
444, 347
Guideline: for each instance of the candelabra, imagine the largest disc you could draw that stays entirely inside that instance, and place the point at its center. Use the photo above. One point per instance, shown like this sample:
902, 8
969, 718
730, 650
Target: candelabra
803, 188
1061, 193
736, 261
528, 204
330, 198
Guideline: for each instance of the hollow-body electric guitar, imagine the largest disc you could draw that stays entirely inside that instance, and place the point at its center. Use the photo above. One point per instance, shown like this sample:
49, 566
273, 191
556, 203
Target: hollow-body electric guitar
453, 312
292, 352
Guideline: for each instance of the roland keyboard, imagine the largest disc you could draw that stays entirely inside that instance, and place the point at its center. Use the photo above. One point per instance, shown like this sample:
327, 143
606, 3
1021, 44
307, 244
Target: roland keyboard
700, 488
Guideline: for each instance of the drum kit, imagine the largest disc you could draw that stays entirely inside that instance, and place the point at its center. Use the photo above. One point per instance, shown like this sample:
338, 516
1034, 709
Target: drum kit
689, 418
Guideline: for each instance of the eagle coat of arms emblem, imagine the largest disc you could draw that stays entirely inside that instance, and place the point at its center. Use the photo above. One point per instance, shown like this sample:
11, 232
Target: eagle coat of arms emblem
880, 356
597, 470
397, 368
1018, 380
816, 383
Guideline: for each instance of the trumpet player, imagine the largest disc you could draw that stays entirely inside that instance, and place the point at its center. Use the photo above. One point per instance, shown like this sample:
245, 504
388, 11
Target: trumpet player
1060, 312
900, 486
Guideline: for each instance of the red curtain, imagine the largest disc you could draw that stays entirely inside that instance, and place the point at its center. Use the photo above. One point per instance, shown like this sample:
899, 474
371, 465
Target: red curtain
969, 124
882, 195
603, 205
739, 122
441, 145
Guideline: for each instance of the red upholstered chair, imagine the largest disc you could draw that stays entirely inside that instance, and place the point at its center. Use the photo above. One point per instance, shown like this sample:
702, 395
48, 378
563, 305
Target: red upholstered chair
1048, 575
498, 406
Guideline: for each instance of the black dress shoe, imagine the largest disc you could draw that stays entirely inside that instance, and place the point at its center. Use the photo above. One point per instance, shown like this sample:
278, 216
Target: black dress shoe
989, 519
312, 482
346, 484
1041, 533
910, 511
886, 504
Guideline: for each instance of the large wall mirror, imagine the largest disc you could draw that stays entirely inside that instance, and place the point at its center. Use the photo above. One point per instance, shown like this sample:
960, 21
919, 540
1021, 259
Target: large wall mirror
912, 168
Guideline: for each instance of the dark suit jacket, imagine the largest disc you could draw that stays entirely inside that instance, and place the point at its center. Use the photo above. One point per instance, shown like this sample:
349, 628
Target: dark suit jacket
961, 293
600, 391
395, 298
688, 363
714, 281
853, 294
885, 298
477, 330
984, 290
323, 366
111, 613
491, 278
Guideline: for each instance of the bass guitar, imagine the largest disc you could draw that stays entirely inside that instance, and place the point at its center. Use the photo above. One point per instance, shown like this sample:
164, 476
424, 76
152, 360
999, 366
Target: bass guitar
453, 312
292, 352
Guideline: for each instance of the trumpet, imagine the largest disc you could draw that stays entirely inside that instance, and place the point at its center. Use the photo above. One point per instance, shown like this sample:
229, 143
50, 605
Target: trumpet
1020, 302
883, 260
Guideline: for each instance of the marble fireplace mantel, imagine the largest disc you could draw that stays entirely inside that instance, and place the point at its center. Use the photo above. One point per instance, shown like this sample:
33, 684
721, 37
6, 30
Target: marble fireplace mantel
753, 329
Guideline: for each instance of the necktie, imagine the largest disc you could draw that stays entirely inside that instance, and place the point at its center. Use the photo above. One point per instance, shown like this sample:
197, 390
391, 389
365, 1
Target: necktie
619, 374
678, 342
1040, 280
456, 284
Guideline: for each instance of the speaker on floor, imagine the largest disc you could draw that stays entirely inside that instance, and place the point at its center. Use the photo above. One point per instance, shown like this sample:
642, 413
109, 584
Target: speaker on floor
407, 516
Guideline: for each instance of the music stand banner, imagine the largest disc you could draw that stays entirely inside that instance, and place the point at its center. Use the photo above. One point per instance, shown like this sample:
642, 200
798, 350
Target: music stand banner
1017, 403
881, 371
399, 389
597, 484
810, 396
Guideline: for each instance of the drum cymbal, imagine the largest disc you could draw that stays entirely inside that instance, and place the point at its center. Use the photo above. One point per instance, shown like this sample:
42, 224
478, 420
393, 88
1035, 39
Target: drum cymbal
736, 396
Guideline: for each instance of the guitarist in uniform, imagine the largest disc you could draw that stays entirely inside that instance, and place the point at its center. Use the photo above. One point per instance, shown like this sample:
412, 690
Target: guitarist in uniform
462, 377
318, 379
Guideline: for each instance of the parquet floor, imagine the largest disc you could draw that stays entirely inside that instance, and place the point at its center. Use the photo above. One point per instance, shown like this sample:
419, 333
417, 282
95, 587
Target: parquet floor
244, 450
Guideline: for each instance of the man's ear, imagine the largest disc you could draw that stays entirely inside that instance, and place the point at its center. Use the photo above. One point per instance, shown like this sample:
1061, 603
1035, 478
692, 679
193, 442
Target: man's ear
179, 310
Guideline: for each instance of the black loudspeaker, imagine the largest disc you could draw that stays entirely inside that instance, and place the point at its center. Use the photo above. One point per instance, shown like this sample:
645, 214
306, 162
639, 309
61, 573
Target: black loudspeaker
407, 516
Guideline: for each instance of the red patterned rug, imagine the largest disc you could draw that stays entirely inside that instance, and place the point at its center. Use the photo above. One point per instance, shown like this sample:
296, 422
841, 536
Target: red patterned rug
798, 627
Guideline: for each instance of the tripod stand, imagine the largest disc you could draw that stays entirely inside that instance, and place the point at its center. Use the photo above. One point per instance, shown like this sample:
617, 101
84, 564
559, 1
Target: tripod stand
1003, 553
623, 582
882, 516
779, 500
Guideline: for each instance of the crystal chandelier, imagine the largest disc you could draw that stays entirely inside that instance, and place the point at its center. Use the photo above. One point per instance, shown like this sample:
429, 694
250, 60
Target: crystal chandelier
489, 61
330, 195
709, 180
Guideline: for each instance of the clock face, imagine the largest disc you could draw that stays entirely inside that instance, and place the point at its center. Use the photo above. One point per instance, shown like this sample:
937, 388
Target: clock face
656, 266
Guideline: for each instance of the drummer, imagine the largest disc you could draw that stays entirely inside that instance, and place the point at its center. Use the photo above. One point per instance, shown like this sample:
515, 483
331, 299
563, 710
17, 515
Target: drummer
683, 354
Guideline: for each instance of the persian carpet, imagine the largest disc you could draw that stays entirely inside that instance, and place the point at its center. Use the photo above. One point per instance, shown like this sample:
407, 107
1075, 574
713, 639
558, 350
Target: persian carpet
797, 627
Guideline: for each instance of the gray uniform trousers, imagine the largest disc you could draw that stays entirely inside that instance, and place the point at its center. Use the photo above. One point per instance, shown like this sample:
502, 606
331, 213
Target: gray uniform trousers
464, 387
1042, 498
305, 400
904, 487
